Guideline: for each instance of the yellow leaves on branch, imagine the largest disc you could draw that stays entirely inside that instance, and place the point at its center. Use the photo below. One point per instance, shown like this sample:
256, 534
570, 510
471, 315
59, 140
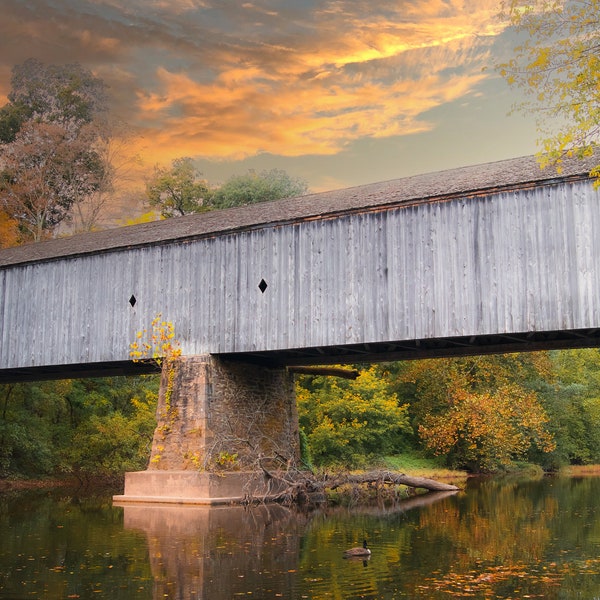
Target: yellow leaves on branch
558, 69
157, 343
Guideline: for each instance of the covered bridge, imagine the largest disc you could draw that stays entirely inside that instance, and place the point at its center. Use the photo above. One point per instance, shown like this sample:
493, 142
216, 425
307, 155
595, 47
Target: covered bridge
501, 256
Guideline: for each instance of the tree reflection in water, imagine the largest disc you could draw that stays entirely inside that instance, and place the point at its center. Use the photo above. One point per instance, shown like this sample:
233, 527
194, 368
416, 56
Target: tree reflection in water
498, 539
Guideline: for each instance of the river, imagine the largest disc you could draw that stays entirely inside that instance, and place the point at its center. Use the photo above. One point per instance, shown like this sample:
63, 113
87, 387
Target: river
496, 539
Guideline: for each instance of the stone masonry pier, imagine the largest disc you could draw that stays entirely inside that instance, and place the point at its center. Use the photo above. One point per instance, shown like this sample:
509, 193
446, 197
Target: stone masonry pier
215, 421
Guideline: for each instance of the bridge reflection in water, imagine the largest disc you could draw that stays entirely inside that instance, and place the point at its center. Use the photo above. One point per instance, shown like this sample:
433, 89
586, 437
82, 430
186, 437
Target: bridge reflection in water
220, 552
232, 551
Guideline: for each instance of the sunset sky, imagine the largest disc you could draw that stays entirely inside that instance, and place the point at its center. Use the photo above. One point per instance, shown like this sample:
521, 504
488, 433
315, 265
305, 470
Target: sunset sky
337, 92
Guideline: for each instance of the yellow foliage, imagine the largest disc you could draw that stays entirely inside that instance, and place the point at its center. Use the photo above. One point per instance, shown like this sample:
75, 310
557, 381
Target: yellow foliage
9, 234
472, 411
159, 345
558, 69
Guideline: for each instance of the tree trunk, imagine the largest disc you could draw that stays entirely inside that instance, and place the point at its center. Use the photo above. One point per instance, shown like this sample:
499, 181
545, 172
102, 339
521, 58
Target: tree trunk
390, 477
302, 486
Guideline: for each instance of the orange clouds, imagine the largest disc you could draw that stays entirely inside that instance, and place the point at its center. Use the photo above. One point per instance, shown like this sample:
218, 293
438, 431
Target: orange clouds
229, 80
360, 78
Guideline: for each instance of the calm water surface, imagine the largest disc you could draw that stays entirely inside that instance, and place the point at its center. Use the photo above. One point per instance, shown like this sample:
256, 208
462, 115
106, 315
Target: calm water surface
510, 539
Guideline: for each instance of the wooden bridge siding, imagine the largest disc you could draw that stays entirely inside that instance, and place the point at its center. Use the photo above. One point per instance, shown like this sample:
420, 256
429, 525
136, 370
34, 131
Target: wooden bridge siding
507, 262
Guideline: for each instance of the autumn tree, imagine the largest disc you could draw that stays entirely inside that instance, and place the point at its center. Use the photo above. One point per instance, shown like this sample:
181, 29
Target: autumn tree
558, 68
44, 171
478, 412
257, 187
178, 191
50, 132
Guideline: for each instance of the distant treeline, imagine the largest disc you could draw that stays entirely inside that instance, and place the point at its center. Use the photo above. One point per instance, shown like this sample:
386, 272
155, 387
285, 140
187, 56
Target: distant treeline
478, 413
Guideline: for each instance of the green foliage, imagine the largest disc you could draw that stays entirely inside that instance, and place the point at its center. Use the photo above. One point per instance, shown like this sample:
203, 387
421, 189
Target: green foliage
572, 401
479, 412
558, 67
88, 427
12, 117
257, 187
111, 444
305, 453
179, 190
349, 422
31, 425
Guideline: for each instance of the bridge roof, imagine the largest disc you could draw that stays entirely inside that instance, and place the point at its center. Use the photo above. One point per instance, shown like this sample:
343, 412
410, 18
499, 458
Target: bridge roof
465, 181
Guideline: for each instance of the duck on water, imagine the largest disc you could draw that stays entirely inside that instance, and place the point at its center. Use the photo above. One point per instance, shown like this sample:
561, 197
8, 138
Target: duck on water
358, 551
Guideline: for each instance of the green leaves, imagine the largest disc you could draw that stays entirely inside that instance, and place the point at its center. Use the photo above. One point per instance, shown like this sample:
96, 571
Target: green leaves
88, 427
257, 187
179, 190
348, 422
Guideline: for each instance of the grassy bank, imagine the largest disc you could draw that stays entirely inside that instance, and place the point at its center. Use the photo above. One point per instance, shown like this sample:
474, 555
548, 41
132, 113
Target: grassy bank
422, 467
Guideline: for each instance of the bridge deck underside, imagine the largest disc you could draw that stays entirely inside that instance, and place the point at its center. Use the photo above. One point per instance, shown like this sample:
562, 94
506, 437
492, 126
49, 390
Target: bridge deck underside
348, 354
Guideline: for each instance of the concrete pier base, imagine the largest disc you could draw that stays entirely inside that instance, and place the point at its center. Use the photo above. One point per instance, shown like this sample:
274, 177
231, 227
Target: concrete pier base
192, 487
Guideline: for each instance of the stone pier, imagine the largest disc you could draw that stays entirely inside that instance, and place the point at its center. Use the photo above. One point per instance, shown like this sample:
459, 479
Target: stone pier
215, 421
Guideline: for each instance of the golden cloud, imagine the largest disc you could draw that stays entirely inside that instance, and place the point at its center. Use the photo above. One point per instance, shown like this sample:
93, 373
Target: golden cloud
245, 110
282, 79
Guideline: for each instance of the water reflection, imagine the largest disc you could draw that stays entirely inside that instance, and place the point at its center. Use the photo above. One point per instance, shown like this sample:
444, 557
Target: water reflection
61, 545
223, 552
498, 539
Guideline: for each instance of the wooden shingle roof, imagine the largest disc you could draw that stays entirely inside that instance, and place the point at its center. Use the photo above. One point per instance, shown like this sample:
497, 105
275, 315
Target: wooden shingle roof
478, 179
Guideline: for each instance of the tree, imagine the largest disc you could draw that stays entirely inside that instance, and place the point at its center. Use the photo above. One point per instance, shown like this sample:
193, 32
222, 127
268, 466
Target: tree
114, 150
44, 171
349, 422
50, 135
88, 427
558, 67
485, 431
67, 94
479, 412
572, 401
179, 190
12, 118
252, 187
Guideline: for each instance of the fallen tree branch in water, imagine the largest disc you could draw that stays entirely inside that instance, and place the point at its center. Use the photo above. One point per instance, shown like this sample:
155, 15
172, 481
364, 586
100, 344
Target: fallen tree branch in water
302, 486
389, 477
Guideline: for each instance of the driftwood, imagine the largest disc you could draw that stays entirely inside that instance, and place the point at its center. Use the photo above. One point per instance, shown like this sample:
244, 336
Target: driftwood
326, 371
299, 487
382, 477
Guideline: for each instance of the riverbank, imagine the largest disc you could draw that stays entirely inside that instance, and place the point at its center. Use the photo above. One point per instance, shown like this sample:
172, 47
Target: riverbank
408, 465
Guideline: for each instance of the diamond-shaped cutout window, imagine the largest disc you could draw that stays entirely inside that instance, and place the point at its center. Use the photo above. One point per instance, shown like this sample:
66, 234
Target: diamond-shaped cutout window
262, 286
132, 300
